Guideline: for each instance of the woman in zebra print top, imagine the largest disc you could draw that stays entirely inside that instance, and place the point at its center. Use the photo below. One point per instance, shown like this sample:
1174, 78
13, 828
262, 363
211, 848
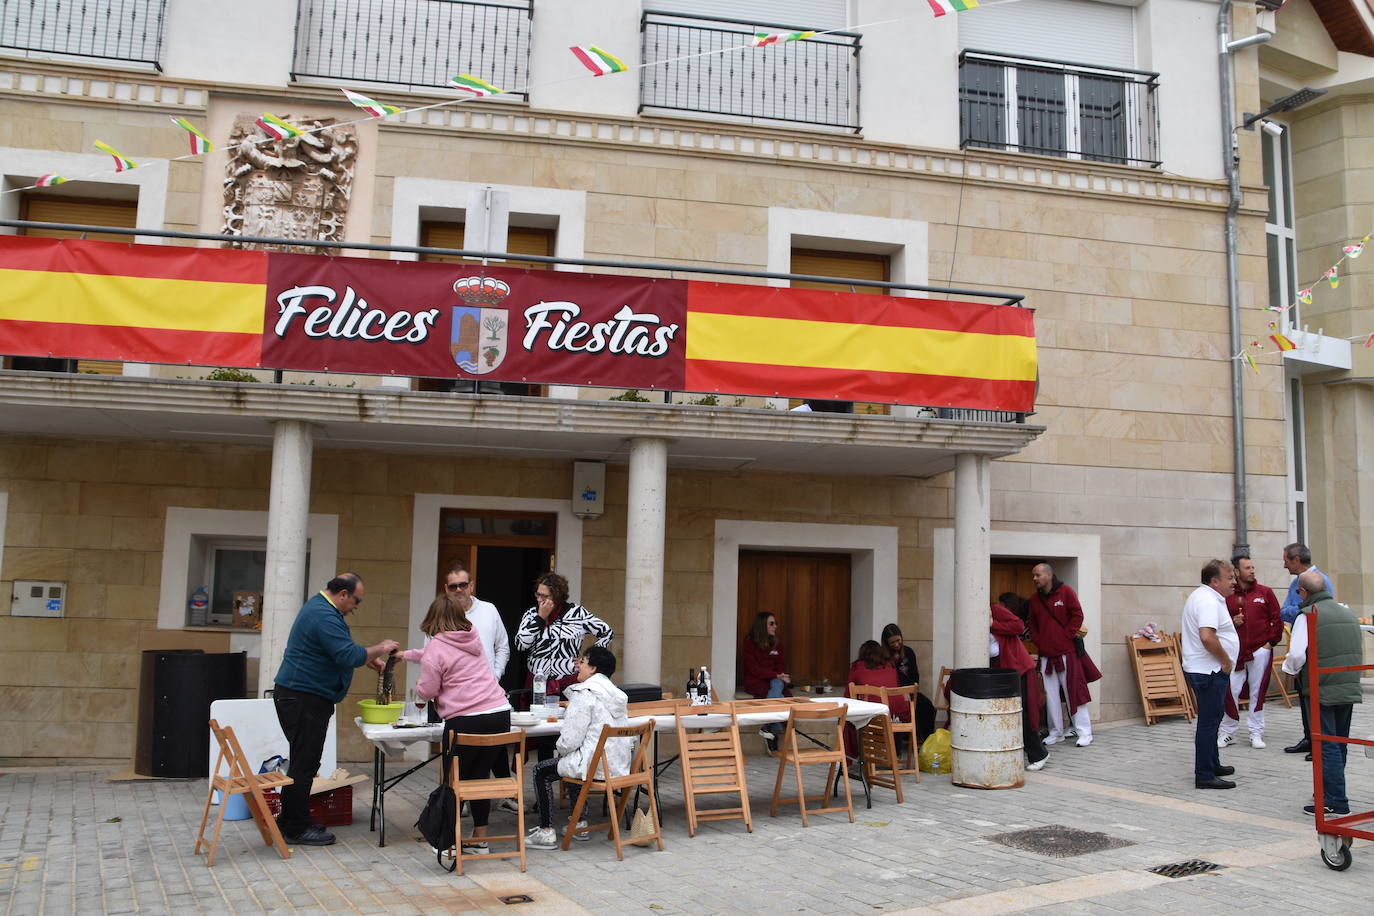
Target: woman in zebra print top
552, 632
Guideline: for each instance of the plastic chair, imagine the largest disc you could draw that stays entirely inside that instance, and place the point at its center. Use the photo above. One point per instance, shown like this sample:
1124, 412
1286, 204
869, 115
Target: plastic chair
240, 780
832, 757
712, 764
600, 781
490, 789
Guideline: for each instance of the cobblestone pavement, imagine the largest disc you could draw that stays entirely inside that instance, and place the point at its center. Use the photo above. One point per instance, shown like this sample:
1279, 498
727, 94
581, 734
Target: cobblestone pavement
72, 841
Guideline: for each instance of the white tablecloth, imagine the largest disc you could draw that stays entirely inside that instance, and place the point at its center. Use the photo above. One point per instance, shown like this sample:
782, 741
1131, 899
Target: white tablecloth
394, 740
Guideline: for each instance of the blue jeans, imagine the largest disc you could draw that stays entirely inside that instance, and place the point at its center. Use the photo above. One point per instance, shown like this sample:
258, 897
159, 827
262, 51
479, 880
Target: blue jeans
1210, 691
775, 689
1335, 721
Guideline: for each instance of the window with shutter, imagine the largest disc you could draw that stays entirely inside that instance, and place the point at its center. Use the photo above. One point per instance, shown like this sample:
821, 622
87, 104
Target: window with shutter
850, 264
51, 208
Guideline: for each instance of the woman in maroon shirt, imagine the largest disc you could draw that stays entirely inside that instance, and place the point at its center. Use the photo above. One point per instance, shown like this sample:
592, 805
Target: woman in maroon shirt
765, 669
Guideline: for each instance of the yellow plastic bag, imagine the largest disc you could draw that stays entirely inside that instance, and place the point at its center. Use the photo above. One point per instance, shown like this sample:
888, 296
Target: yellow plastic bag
935, 752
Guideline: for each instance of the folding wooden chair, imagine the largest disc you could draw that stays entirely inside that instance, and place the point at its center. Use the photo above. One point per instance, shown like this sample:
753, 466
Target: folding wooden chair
940, 699
712, 764
832, 757
600, 781
489, 789
882, 765
240, 780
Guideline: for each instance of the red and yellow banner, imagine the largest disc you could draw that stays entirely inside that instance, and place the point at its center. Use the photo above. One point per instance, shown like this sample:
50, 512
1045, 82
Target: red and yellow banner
202, 306
138, 303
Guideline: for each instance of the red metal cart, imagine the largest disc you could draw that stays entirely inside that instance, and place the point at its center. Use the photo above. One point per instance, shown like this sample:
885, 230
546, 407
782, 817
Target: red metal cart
1334, 833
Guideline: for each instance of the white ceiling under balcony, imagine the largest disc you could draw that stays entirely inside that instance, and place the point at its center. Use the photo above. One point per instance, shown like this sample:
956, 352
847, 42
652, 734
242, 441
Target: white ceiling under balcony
227, 413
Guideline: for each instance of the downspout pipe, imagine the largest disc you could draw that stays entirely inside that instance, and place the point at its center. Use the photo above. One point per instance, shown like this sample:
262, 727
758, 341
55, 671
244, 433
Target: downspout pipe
1231, 165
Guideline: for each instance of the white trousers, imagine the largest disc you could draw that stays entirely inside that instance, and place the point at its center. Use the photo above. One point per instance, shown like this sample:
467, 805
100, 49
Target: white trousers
1056, 690
1252, 672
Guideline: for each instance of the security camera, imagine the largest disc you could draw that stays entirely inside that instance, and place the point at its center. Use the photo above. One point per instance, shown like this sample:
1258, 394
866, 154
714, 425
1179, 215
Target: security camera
1272, 128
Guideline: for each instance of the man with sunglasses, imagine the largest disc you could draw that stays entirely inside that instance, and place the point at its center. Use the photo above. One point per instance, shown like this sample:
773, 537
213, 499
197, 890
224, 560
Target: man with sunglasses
486, 619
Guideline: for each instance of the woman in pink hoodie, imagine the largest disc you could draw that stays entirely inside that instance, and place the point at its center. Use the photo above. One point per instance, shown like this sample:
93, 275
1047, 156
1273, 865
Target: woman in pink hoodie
454, 671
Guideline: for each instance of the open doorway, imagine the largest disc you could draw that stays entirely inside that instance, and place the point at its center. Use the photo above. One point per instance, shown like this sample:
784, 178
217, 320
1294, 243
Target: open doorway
809, 594
504, 552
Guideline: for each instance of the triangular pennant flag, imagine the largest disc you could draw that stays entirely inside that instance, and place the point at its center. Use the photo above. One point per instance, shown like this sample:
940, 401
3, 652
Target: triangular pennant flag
940, 7
480, 88
1369, 341
1282, 342
1305, 296
1332, 277
48, 180
122, 162
1353, 251
277, 128
601, 63
372, 107
199, 142
1249, 361
764, 39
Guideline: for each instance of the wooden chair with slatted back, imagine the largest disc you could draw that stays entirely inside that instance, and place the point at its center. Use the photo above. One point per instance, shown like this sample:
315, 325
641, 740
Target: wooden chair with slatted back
909, 693
240, 780
712, 764
600, 781
940, 699
878, 743
831, 757
490, 789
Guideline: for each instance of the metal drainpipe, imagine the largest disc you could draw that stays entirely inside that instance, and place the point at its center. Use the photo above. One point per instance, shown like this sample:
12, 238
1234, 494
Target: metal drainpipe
1231, 163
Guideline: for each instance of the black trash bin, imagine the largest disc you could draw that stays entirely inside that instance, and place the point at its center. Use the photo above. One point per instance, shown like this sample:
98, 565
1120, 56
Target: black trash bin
176, 689
985, 728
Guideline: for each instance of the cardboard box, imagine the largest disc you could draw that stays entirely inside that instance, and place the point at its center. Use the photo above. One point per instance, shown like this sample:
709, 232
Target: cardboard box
247, 609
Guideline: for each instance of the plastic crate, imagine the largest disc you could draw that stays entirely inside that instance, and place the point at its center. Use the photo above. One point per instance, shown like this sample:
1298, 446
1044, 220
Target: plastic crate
328, 809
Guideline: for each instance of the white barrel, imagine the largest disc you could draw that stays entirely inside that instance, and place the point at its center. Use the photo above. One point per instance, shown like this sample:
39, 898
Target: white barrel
985, 736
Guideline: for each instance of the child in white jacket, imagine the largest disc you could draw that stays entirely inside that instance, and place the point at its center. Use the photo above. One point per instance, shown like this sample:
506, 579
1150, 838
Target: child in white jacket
592, 702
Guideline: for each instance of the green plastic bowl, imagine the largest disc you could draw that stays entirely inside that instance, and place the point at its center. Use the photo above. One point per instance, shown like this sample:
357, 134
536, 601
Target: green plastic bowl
375, 713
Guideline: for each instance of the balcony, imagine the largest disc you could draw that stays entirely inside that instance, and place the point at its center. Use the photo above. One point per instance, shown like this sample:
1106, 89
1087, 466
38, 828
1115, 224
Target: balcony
1054, 108
419, 44
705, 66
122, 30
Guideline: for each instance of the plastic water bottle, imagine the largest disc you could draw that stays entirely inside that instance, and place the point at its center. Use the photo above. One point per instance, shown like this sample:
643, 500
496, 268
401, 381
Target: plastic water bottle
199, 606
935, 763
538, 695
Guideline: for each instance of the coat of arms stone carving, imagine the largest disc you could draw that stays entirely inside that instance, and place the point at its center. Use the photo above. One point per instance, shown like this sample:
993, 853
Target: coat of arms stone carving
297, 188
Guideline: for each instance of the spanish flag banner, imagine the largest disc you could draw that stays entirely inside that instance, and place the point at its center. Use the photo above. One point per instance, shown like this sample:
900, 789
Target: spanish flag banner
139, 303
855, 347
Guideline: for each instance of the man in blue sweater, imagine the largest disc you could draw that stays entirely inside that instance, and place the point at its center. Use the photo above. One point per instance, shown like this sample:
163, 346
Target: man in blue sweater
315, 672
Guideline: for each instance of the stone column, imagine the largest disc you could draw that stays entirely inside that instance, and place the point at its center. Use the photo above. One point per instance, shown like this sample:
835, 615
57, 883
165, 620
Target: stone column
972, 498
288, 518
642, 655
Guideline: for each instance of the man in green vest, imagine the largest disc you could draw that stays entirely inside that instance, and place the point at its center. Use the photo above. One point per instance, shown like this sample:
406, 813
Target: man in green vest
1338, 642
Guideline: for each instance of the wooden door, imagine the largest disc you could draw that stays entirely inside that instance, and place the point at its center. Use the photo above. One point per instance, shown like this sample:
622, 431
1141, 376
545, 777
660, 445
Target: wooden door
809, 595
1011, 574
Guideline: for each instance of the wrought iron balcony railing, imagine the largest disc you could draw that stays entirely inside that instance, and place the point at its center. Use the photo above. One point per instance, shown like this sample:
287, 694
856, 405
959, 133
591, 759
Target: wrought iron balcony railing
705, 66
414, 43
125, 30
1055, 108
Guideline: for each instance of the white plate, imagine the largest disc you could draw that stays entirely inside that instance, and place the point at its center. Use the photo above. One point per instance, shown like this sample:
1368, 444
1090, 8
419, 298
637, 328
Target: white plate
522, 719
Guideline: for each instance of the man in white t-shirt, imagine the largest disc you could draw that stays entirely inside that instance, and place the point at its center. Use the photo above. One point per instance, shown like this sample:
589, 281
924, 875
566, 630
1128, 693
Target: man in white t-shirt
486, 619
1210, 647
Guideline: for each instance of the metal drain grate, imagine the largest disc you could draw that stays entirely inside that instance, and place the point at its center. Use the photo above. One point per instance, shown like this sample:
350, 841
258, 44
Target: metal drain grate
1185, 869
1059, 841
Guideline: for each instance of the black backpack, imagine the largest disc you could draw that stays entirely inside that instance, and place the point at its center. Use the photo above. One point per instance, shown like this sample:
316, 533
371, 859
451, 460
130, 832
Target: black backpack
439, 817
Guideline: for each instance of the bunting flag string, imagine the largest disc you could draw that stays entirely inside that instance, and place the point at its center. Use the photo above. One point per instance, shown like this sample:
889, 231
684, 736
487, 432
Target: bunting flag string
371, 106
479, 88
941, 7
278, 128
49, 180
601, 63
122, 162
764, 39
199, 142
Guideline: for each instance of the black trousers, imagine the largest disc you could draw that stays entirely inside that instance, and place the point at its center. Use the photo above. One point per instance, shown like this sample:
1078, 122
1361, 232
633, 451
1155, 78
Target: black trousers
478, 762
304, 719
1030, 737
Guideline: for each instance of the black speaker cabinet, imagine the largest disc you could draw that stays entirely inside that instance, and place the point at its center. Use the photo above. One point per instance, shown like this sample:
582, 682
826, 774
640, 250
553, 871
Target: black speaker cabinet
175, 692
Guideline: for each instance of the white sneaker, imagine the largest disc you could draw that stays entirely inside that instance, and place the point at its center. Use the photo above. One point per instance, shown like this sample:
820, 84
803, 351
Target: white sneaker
1053, 739
1070, 732
508, 804
1039, 764
1084, 741
476, 848
1225, 740
541, 838
580, 832
1257, 742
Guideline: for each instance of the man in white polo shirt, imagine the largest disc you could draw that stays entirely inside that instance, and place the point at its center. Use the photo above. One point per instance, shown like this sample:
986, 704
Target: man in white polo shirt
1210, 646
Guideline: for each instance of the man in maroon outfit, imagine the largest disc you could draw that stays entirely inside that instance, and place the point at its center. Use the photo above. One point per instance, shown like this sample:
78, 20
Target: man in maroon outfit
1255, 611
1055, 619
